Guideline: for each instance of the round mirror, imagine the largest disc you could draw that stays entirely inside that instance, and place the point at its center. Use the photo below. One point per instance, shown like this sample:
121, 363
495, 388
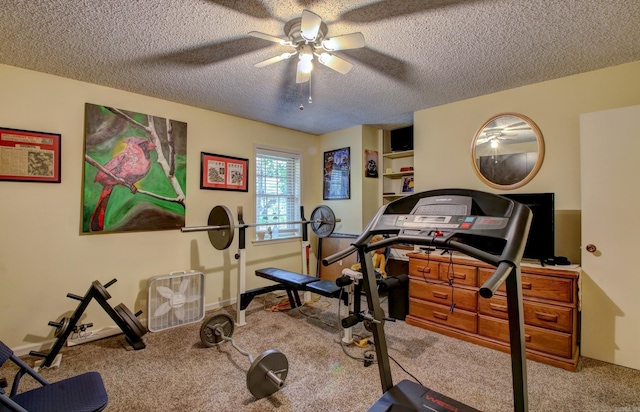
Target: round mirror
507, 151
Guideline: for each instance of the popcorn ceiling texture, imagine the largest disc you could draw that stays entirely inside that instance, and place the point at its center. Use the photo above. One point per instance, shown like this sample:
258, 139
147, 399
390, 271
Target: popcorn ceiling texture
418, 54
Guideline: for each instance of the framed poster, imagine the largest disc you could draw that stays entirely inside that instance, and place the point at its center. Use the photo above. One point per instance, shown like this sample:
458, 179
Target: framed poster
407, 184
135, 168
370, 163
337, 174
218, 172
27, 156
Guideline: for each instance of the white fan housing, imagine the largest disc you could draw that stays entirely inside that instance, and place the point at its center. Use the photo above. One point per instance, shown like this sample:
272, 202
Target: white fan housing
175, 299
306, 36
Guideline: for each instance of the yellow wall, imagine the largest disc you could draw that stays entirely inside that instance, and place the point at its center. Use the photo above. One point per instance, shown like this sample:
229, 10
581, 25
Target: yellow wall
348, 211
43, 257
42, 254
443, 134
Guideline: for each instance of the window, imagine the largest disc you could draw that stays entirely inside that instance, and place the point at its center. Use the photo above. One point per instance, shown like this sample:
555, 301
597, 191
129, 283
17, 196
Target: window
277, 193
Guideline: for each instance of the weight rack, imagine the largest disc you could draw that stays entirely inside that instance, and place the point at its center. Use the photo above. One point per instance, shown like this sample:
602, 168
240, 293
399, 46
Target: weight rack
121, 315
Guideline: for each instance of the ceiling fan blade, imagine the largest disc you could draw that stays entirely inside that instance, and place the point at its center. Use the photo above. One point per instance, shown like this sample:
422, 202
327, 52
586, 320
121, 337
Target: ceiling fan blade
268, 37
335, 63
275, 59
344, 42
309, 25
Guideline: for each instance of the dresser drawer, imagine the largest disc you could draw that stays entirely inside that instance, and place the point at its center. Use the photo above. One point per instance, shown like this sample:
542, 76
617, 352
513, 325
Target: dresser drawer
440, 314
460, 274
419, 268
543, 340
558, 318
538, 286
464, 298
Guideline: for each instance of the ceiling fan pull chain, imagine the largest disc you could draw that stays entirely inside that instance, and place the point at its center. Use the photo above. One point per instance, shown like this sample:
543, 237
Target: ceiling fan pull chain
310, 101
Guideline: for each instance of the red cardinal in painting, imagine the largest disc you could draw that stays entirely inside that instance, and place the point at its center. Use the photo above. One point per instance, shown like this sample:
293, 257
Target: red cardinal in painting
130, 165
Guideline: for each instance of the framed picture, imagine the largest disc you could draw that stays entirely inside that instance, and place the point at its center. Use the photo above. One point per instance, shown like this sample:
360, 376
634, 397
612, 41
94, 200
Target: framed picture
27, 156
218, 172
337, 174
407, 184
135, 168
370, 163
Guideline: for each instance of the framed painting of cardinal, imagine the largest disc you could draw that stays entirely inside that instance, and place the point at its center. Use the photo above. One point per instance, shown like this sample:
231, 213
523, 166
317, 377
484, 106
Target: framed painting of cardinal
134, 171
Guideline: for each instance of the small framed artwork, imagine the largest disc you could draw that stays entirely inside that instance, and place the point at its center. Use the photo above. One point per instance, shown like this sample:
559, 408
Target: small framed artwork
370, 163
27, 156
219, 172
407, 184
337, 174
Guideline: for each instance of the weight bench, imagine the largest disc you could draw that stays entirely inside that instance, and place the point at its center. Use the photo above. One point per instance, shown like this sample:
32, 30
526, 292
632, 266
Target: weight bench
291, 282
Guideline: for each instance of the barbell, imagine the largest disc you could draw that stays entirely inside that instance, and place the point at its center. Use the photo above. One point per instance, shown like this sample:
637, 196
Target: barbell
267, 372
221, 226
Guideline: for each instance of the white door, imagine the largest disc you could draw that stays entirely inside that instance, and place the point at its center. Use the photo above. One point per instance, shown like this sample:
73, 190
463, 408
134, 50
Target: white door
610, 186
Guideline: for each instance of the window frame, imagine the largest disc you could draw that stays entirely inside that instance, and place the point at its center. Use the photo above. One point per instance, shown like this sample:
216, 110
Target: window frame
291, 231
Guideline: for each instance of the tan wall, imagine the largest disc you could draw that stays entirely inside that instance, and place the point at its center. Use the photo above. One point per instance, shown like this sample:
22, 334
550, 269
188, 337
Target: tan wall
349, 211
443, 136
42, 254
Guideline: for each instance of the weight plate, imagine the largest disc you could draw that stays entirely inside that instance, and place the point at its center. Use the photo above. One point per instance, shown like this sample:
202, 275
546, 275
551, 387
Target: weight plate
62, 329
131, 320
221, 238
97, 286
210, 333
259, 384
323, 221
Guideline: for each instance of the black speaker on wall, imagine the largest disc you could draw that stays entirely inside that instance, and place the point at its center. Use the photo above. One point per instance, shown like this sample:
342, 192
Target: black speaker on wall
401, 139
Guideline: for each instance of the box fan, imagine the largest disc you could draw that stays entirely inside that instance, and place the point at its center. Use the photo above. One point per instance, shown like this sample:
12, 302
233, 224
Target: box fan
175, 299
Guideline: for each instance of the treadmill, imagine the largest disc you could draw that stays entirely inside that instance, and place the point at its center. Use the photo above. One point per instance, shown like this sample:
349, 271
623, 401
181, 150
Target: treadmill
482, 225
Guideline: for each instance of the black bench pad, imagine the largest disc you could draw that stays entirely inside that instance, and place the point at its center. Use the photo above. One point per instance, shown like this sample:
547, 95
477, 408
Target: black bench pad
325, 288
291, 279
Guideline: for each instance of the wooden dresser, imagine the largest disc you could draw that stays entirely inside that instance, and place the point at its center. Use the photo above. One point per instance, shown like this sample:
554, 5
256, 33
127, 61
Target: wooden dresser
550, 300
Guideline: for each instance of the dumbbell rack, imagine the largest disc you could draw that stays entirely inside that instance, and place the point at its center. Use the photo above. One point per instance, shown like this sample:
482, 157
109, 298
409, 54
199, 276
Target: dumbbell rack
121, 315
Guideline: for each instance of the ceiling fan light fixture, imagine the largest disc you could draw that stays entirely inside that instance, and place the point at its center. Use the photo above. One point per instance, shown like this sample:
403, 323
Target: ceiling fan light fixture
305, 65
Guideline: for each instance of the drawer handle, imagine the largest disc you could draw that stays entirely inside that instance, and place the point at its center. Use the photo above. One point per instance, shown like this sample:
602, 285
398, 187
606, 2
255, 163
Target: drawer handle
459, 275
526, 285
527, 338
547, 317
424, 269
440, 295
499, 308
439, 315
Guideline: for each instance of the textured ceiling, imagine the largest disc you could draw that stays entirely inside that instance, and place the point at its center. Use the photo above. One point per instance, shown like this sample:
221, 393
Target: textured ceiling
418, 54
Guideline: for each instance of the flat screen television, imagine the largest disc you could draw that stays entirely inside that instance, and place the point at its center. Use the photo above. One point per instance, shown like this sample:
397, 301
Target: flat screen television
541, 241
401, 139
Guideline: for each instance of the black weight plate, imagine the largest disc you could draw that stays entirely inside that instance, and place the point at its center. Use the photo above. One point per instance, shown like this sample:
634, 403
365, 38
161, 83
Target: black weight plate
258, 383
221, 238
323, 221
97, 286
209, 335
131, 320
62, 329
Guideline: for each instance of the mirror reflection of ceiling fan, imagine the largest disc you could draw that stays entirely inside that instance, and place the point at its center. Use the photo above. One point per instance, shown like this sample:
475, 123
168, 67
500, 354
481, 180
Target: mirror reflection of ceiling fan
307, 36
498, 134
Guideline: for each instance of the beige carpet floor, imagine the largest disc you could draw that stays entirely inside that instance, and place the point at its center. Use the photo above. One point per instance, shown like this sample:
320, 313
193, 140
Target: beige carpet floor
176, 372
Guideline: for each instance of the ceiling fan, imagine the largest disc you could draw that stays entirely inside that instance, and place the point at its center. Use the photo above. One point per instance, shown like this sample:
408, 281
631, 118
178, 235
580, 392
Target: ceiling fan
307, 36
497, 133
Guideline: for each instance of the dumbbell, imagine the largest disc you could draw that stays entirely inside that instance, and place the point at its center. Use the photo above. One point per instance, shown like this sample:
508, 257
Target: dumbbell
267, 372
